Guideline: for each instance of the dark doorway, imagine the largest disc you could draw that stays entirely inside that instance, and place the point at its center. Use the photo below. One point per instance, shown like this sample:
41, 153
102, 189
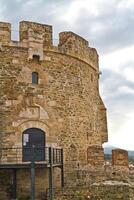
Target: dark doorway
33, 137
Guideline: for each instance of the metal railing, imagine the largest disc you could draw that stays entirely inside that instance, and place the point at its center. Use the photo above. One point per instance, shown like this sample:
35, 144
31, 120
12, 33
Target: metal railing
23, 155
53, 157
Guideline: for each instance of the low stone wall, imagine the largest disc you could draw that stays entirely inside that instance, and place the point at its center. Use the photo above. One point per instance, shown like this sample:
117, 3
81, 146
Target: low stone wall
104, 191
120, 158
107, 190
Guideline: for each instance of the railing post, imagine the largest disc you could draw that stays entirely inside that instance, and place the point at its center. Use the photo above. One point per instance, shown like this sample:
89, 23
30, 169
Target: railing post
33, 174
14, 183
62, 168
51, 192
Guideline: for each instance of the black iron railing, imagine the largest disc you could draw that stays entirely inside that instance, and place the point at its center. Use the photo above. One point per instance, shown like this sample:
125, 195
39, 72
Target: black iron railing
20, 155
52, 157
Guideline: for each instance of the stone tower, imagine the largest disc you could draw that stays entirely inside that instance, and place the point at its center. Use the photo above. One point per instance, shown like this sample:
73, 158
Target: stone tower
54, 89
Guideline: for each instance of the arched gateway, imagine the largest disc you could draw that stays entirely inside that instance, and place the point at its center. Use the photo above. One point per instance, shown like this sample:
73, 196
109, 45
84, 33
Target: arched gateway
33, 137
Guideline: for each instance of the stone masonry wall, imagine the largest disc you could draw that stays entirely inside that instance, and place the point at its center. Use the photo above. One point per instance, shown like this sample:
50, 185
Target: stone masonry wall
65, 103
105, 191
120, 158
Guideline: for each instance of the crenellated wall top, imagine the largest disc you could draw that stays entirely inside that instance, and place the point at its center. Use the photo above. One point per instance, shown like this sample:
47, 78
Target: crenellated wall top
37, 38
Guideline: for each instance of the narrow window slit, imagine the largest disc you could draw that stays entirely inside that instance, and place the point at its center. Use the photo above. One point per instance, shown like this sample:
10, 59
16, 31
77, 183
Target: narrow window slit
35, 78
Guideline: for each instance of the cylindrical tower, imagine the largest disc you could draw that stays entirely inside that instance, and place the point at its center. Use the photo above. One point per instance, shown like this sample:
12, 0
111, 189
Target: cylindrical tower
54, 89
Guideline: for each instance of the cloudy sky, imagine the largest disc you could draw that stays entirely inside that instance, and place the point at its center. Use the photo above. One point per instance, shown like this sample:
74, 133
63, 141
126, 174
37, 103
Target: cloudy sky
108, 25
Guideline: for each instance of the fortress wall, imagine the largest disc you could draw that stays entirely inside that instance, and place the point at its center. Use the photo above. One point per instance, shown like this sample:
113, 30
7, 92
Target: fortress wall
75, 45
102, 118
65, 103
104, 191
36, 31
95, 156
38, 37
120, 158
5, 33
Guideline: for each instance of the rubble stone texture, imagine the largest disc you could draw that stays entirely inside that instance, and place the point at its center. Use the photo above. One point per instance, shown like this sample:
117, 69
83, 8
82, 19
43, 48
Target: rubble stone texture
65, 103
120, 157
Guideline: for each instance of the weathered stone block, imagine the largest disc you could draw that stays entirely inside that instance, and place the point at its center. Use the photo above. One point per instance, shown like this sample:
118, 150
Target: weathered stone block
120, 158
5, 33
95, 156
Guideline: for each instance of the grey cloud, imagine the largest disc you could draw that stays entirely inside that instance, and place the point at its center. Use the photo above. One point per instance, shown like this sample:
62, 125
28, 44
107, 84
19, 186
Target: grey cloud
119, 103
32, 9
112, 82
42, 11
111, 29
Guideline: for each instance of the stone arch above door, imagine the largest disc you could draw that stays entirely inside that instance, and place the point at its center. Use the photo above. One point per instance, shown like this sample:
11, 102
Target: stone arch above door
33, 123
20, 128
